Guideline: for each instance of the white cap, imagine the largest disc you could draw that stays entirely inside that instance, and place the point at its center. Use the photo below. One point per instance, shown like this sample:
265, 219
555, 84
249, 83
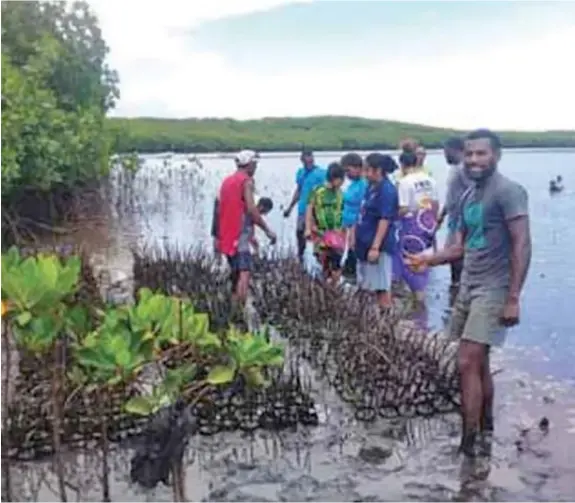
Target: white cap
245, 157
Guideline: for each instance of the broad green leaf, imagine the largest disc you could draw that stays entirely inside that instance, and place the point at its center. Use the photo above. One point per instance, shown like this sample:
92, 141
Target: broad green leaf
91, 357
139, 405
221, 375
77, 319
144, 294
209, 340
24, 318
49, 268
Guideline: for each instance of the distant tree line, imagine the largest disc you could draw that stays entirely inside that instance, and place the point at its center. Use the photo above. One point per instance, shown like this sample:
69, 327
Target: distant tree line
153, 135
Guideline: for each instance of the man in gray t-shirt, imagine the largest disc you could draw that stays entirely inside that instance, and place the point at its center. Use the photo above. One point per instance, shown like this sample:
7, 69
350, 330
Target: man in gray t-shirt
493, 237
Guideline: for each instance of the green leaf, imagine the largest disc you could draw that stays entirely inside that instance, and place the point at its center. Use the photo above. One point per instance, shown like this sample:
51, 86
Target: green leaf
24, 318
209, 339
49, 268
221, 374
92, 357
144, 294
254, 377
139, 405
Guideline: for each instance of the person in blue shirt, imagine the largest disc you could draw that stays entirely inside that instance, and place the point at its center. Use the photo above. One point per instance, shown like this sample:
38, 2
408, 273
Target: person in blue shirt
308, 178
352, 198
373, 236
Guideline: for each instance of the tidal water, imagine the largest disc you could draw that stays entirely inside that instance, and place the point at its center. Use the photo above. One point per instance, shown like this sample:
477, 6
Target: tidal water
169, 202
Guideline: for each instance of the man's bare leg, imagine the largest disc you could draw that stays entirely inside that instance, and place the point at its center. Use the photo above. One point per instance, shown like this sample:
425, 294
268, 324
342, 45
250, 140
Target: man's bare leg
488, 394
471, 358
242, 287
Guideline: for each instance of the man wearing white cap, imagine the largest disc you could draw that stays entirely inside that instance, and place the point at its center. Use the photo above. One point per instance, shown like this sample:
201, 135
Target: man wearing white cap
236, 215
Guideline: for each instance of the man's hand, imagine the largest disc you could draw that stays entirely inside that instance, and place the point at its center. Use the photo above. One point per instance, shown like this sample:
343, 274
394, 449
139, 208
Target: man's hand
416, 262
216, 245
373, 255
272, 237
510, 315
255, 245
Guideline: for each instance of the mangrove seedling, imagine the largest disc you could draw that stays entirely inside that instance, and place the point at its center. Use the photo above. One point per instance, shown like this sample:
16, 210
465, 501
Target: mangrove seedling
249, 354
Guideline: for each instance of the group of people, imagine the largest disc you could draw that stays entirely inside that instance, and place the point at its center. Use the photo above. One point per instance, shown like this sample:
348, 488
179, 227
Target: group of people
386, 220
386, 210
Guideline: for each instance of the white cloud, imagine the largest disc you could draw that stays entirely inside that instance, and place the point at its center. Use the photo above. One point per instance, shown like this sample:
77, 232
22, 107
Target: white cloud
525, 83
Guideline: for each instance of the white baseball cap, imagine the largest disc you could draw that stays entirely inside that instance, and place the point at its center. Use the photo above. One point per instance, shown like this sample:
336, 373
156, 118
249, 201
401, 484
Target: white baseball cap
245, 157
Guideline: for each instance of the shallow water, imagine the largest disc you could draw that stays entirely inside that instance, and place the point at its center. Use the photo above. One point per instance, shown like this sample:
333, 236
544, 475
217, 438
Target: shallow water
173, 201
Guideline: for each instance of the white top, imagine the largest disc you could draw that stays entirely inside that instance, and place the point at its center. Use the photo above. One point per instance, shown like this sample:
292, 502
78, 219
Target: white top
417, 190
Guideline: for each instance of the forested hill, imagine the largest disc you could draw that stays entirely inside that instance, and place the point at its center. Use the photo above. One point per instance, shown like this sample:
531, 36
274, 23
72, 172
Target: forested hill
286, 134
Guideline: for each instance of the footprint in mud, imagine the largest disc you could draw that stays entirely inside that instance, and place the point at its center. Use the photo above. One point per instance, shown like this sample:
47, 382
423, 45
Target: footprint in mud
375, 454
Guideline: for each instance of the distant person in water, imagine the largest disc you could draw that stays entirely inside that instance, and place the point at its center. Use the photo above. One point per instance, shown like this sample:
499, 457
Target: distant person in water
324, 223
556, 185
237, 213
418, 212
373, 236
457, 184
493, 238
352, 198
308, 177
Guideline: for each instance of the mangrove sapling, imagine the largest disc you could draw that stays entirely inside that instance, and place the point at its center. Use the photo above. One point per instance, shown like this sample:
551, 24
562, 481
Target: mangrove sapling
35, 289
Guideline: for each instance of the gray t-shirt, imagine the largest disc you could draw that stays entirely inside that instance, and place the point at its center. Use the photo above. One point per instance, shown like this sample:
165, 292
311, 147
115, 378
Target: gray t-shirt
457, 184
484, 212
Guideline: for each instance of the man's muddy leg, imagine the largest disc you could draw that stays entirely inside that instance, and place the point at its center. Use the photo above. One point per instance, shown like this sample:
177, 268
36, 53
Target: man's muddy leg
471, 356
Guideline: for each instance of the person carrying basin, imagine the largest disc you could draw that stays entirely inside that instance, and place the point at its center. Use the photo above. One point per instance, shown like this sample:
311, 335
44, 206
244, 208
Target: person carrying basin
324, 223
237, 214
308, 177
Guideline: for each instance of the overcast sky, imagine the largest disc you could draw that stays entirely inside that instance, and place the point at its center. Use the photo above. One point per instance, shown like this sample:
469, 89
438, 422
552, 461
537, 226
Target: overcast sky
506, 65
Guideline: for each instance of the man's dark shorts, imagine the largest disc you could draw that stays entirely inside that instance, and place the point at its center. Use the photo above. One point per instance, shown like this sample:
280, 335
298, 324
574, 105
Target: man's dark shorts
241, 261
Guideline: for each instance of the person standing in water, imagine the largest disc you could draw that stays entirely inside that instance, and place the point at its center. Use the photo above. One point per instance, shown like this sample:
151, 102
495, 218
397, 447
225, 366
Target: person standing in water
308, 177
457, 184
352, 198
493, 237
373, 236
418, 211
237, 213
323, 224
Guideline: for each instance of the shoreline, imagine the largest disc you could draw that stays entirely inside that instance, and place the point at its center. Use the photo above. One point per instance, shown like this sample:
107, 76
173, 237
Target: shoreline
278, 154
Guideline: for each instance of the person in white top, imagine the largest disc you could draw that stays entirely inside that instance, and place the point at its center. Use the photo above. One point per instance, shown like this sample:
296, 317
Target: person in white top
418, 211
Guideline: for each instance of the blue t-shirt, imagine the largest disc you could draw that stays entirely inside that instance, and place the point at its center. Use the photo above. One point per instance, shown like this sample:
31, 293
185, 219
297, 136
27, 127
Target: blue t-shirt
380, 202
307, 181
352, 198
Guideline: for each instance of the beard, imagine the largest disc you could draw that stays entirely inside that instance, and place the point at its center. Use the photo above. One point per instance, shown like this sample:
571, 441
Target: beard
479, 174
